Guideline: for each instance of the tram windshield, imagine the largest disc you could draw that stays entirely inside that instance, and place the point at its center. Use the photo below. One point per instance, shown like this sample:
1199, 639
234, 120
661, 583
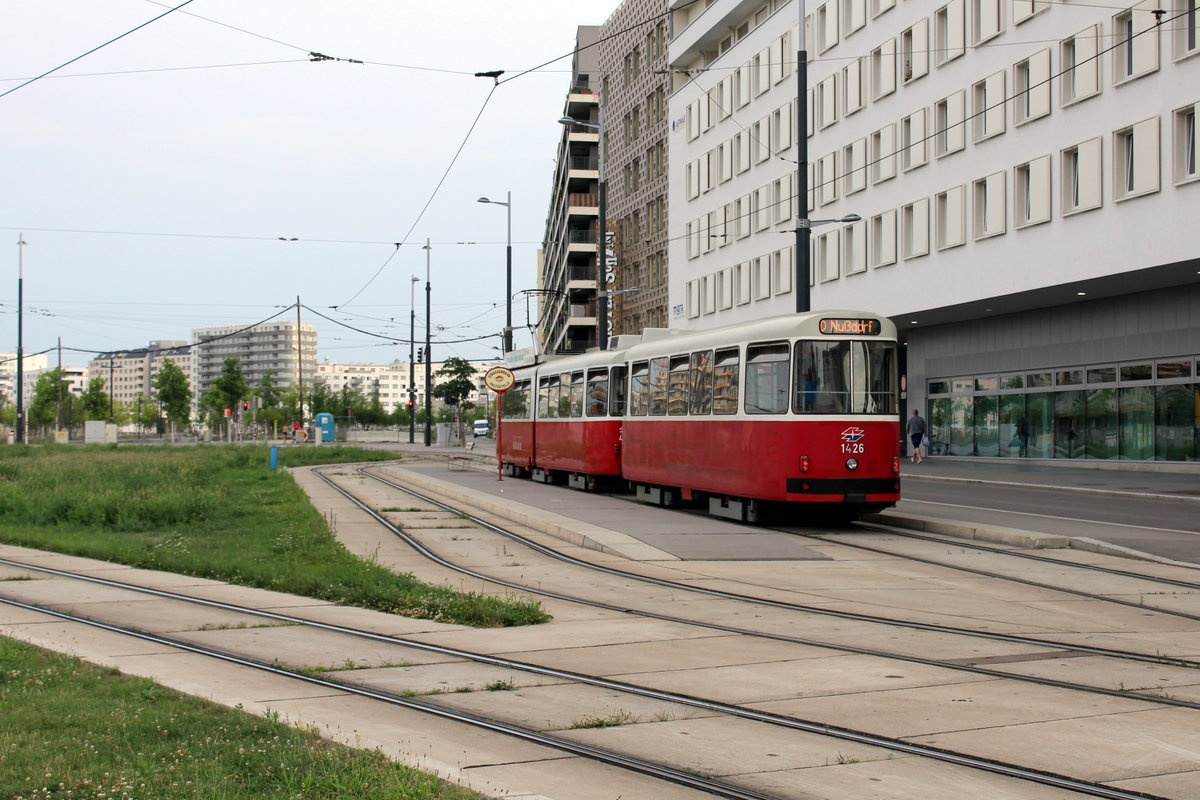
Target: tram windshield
844, 377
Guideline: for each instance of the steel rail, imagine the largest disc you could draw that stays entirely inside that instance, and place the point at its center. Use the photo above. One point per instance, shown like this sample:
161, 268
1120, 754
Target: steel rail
850, 615
632, 763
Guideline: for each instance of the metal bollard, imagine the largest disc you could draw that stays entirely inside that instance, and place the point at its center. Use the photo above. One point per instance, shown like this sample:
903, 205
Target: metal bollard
274, 457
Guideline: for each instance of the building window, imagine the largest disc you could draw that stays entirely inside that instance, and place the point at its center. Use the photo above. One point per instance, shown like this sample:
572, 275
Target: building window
883, 153
883, 69
1031, 187
781, 269
741, 278
854, 167
762, 277
827, 178
949, 126
1081, 169
854, 16
949, 32
880, 6
828, 256
950, 210
1186, 41
1136, 160
1135, 32
854, 247
827, 26
827, 101
1185, 144
1031, 88
914, 51
761, 133
1024, 9
913, 150
914, 224
883, 238
854, 86
987, 20
1080, 65
781, 128
987, 110
782, 189
990, 205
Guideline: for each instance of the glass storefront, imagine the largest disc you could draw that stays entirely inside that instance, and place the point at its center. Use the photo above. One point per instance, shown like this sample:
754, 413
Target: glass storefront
1144, 411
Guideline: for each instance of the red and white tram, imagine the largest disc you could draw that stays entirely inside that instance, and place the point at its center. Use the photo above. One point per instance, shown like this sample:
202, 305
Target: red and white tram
795, 409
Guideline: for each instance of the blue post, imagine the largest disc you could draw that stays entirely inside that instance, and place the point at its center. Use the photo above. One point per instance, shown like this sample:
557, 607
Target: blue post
274, 457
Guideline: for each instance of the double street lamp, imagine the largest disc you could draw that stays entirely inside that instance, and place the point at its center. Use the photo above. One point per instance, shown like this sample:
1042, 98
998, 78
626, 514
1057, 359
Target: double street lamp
602, 242
508, 340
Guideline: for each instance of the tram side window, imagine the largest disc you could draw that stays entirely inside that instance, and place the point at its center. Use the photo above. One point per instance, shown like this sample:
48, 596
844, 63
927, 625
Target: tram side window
564, 395
515, 402
659, 373
552, 397
725, 381
639, 389
677, 386
616, 407
701, 398
577, 394
874, 371
543, 404
822, 369
767, 378
597, 392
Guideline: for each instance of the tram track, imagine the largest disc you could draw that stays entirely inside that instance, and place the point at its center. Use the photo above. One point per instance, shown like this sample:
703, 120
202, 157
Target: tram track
681, 587
640, 765
846, 734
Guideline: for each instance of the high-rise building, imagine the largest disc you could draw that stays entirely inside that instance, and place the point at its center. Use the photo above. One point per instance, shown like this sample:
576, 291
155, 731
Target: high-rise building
634, 90
272, 347
1026, 177
129, 374
568, 277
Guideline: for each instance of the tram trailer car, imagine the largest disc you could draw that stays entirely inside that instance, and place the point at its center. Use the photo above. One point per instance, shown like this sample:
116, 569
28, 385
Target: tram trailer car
560, 423
748, 418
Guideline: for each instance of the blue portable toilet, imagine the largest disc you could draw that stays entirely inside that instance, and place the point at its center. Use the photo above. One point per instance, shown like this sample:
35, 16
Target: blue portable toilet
324, 424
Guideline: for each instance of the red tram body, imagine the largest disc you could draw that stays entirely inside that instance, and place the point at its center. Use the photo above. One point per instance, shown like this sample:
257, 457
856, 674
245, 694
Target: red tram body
782, 411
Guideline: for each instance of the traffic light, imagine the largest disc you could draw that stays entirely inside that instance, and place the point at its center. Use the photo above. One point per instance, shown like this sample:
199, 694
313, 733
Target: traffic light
410, 405
245, 405
420, 355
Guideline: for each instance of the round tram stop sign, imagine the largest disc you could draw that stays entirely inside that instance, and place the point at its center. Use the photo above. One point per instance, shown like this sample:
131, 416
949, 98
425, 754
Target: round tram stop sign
499, 379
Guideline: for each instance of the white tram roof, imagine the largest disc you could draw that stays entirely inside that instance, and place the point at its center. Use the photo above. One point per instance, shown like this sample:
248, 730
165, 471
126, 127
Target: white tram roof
665, 341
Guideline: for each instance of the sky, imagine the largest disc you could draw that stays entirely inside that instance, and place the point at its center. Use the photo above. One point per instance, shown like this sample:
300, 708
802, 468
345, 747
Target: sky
204, 171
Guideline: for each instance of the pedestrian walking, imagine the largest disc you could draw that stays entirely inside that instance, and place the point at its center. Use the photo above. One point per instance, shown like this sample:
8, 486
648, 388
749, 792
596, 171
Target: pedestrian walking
917, 429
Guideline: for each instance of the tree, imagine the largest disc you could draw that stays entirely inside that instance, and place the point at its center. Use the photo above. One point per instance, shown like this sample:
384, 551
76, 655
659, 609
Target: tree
43, 409
96, 403
267, 393
458, 386
174, 392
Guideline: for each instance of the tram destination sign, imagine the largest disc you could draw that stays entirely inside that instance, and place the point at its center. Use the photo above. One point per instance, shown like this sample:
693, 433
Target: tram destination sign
833, 326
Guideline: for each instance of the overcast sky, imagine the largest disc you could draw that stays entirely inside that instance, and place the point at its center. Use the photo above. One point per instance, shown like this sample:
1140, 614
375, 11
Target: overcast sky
152, 197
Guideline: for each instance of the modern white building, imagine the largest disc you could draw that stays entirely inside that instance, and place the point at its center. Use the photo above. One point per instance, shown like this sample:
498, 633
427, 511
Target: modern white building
8, 373
274, 347
392, 381
1026, 174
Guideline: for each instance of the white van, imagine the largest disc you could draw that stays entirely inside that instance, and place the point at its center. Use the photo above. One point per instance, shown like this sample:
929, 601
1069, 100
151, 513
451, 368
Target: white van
482, 427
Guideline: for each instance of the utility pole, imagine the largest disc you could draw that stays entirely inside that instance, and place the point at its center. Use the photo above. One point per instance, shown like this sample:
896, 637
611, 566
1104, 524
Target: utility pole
59, 414
20, 437
803, 228
428, 355
412, 343
300, 360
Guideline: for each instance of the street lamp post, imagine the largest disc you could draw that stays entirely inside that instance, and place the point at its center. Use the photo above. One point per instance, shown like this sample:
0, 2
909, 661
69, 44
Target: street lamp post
508, 337
412, 336
602, 244
803, 231
428, 356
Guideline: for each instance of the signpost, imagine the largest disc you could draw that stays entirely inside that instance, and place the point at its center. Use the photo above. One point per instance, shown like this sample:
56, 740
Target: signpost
499, 380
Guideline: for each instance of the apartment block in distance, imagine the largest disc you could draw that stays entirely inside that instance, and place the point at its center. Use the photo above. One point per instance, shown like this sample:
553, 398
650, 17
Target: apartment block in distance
129, 374
270, 347
1026, 177
634, 91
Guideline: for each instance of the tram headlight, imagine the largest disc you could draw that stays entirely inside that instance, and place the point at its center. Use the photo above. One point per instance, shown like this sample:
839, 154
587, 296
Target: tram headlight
851, 464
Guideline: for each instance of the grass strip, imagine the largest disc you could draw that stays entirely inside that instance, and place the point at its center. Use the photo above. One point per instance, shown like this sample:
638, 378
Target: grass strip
216, 512
72, 730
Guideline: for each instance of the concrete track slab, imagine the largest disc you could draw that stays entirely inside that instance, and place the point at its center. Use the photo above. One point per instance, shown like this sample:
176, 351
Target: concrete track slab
553, 636
467, 677
252, 597
889, 779
76, 639
1177, 785
930, 710
8, 573
575, 779
1178, 682
296, 647
1104, 748
809, 677
702, 744
52, 591
565, 707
